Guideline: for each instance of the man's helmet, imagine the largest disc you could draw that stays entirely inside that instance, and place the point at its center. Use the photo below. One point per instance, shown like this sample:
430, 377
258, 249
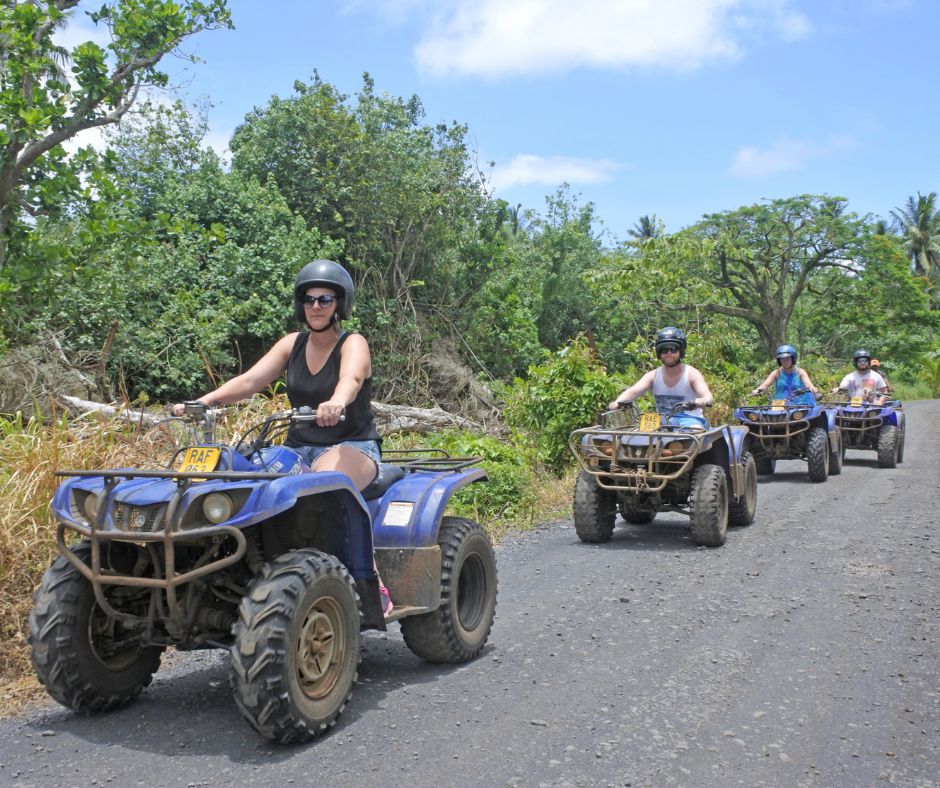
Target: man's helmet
786, 350
325, 273
861, 354
670, 336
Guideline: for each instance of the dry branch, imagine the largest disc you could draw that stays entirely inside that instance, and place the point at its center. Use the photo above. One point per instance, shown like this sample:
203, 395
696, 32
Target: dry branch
388, 418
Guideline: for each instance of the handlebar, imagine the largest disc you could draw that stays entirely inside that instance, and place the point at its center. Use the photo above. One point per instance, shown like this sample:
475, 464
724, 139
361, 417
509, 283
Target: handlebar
630, 405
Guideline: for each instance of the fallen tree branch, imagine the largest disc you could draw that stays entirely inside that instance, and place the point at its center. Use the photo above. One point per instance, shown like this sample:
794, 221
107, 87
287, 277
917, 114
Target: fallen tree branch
388, 418
403, 418
87, 406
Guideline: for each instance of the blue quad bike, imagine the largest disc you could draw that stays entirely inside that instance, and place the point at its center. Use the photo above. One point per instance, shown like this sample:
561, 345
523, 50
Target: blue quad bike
640, 465
787, 430
243, 548
869, 426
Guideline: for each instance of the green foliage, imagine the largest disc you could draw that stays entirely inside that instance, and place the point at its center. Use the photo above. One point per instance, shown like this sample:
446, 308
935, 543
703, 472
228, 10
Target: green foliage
931, 373
511, 467
195, 265
919, 224
566, 392
400, 194
42, 105
764, 257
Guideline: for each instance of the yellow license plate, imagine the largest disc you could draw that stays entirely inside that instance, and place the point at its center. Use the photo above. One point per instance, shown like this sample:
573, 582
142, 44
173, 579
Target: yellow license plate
778, 404
200, 459
856, 402
650, 422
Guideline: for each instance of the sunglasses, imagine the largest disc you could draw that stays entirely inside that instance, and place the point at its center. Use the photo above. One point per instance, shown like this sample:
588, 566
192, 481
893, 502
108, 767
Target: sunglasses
669, 349
323, 300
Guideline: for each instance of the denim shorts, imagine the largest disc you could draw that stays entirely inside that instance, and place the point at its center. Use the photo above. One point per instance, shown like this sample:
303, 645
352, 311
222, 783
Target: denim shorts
311, 453
688, 420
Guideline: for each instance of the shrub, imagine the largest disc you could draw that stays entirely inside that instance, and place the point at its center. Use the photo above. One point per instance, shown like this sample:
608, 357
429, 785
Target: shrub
511, 467
564, 393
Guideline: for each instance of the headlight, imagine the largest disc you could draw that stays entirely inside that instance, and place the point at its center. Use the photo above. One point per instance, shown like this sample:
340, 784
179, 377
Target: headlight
753, 416
797, 415
90, 506
217, 507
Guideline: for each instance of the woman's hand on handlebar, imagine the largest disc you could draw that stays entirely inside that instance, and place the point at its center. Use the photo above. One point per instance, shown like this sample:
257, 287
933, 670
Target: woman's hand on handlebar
193, 408
331, 413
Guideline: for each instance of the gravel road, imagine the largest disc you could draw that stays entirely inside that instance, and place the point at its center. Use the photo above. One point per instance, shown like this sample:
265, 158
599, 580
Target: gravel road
805, 652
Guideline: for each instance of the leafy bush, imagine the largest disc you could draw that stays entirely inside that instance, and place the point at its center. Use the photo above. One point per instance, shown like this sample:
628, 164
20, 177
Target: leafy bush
566, 392
511, 467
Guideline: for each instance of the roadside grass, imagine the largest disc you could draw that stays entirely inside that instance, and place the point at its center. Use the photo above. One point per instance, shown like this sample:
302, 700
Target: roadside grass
30, 453
518, 495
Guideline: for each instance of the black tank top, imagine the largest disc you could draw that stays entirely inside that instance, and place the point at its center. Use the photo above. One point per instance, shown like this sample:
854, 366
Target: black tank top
306, 389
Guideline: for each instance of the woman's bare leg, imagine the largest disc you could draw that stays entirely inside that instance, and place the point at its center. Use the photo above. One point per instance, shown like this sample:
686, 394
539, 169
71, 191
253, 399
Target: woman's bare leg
361, 469
356, 465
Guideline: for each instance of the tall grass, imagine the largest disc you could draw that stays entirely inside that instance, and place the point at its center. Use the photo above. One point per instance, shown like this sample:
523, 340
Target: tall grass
30, 453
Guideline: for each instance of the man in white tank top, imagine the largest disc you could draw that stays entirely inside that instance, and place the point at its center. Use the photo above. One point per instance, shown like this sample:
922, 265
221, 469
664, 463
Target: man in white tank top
672, 383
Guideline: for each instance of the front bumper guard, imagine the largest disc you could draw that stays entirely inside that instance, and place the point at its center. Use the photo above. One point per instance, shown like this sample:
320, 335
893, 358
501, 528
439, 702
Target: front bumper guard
637, 461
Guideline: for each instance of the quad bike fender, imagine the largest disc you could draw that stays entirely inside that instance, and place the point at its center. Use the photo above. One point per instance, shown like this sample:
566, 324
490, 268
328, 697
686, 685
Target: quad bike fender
409, 513
724, 445
738, 439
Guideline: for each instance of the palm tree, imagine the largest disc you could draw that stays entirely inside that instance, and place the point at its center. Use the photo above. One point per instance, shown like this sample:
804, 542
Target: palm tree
647, 228
918, 224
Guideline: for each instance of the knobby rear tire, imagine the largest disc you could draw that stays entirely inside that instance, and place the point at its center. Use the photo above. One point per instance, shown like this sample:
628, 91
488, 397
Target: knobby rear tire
741, 512
835, 458
634, 515
459, 628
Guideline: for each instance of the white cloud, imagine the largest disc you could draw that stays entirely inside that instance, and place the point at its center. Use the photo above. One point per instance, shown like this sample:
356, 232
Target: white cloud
218, 141
785, 155
493, 38
525, 169
79, 30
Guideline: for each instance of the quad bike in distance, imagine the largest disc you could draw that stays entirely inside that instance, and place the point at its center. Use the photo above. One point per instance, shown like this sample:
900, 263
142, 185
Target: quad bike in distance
873, 423
242, 547
641, 465
785, 429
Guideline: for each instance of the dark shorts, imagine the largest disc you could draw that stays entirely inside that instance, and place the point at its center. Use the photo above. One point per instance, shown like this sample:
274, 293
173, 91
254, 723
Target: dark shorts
310, 454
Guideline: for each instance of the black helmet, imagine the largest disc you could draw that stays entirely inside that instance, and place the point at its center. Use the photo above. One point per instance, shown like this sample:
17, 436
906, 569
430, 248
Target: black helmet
670, 335
325, 273
858, 354
786, 350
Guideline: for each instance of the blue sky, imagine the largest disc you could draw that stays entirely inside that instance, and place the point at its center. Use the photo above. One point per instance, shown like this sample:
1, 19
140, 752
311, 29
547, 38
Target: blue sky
670, 107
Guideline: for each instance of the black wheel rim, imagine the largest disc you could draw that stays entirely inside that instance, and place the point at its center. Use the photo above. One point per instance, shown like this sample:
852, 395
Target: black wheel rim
104, 639
471, 592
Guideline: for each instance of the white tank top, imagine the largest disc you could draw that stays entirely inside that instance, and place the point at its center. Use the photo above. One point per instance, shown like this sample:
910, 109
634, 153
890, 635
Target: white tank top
667, 398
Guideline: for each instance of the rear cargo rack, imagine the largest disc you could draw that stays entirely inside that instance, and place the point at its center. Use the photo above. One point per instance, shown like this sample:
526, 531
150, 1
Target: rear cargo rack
438, 460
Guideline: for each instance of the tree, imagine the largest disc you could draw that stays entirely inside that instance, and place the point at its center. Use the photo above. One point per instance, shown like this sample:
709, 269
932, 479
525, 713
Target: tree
763, 258
191, 266
402, 195
646, 228
919, 225
42, 105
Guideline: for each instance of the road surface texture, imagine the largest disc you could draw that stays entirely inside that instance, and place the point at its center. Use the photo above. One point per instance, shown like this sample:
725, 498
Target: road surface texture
805, 652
